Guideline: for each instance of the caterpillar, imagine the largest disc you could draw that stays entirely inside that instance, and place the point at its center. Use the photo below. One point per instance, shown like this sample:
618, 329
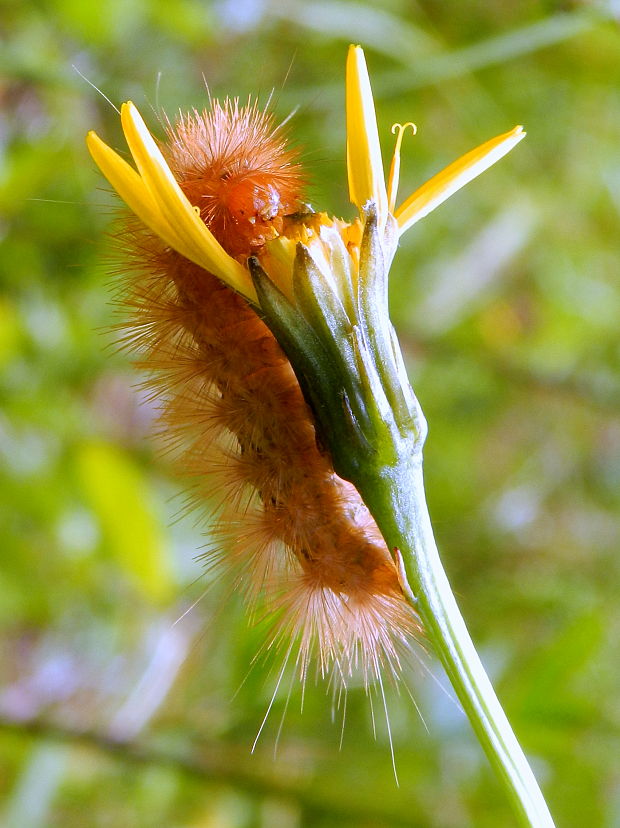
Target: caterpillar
297, 538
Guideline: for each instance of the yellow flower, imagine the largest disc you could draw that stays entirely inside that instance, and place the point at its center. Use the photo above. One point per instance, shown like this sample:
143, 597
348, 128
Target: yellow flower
157, 199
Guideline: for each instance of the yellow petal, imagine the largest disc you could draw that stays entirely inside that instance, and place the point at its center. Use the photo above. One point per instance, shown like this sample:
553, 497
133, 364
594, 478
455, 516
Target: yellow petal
132, 190
455, 176
175, 207
364, 163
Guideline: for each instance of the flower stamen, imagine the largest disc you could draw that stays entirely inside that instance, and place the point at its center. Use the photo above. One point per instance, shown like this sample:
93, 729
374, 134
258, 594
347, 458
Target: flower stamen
395, 166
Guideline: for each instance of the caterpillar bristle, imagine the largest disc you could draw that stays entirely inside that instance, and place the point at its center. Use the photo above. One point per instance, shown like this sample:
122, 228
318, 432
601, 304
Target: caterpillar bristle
233, 162
297, 539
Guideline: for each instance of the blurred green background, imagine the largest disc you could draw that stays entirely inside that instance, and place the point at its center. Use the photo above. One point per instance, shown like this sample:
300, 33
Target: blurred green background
507, 300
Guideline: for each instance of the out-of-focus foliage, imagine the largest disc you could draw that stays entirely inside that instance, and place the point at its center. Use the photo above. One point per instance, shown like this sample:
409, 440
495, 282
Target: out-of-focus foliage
507, 300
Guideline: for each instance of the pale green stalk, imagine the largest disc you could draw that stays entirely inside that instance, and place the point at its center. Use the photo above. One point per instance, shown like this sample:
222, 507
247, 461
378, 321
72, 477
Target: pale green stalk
397, 500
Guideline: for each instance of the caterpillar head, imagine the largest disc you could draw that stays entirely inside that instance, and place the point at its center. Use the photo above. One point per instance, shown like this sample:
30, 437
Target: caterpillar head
233, 163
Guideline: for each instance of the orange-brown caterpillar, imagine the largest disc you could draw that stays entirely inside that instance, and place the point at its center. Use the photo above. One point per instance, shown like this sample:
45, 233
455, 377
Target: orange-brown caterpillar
295, 534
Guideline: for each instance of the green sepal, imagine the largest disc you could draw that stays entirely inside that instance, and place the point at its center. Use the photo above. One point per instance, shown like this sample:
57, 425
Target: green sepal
375, 256
320, 376
320, 305
338, 337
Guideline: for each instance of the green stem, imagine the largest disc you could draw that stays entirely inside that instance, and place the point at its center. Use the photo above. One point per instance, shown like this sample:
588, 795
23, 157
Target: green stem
398, 504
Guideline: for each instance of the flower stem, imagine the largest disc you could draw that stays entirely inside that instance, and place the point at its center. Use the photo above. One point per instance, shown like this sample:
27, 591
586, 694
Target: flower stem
397, 501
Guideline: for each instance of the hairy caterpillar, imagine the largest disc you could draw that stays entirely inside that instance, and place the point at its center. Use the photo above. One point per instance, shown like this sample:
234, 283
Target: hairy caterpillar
227, 206
297, 537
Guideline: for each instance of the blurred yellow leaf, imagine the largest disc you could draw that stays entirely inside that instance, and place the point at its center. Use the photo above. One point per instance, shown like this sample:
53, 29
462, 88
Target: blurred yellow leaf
119, 496
10, 331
